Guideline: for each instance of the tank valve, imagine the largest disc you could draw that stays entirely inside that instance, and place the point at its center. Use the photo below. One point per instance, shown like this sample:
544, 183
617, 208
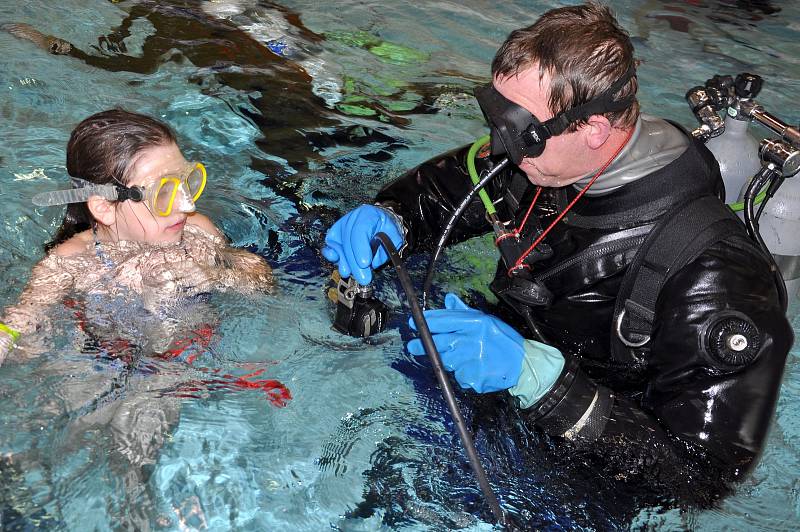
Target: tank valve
705, 109
783, 156
747, 86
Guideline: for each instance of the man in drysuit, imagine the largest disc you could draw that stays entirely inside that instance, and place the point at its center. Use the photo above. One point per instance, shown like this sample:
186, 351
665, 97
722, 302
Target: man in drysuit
665, 364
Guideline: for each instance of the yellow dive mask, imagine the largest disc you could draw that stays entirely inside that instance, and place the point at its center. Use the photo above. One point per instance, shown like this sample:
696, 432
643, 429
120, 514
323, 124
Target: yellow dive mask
160, 195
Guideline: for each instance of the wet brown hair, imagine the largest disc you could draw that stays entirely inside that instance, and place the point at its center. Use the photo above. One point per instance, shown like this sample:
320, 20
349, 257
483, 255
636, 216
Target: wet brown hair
102, 149
583, 49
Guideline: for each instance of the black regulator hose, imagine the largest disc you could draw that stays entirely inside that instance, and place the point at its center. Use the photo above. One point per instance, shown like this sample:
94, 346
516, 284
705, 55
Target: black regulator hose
441, 376
763, 176
451, 224
759, 181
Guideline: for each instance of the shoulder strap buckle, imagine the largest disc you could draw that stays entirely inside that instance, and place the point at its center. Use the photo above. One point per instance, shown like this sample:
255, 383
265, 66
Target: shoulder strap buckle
618, 329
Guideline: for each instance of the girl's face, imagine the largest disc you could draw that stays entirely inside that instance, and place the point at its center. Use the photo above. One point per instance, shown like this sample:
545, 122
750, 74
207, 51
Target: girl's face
134, 220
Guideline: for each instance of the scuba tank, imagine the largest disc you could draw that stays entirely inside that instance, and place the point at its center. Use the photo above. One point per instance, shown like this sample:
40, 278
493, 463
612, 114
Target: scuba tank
736, 151
779, 223
776, 223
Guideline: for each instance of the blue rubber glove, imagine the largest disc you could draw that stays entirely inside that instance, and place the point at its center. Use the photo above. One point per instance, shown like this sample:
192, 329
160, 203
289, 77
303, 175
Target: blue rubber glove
485, 353
349, 241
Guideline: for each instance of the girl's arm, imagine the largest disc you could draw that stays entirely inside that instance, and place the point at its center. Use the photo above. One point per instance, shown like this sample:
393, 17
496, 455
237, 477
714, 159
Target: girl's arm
244, 271
48, 284
237, 269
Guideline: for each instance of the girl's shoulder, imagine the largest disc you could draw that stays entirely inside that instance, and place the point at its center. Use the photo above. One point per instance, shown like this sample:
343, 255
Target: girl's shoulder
67, 261
77, 244
201, 225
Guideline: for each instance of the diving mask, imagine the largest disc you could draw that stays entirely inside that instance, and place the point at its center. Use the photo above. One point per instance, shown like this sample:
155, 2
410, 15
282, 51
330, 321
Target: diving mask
159, 195
518, 133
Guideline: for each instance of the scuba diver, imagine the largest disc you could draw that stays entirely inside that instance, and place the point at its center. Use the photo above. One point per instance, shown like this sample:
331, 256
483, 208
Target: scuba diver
642, 326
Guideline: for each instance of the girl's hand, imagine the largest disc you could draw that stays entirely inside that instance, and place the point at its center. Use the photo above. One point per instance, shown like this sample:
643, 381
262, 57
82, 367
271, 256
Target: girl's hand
166, 281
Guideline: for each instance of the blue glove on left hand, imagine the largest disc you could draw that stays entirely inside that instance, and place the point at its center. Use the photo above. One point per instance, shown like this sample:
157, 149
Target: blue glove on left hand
349, 241
485, 353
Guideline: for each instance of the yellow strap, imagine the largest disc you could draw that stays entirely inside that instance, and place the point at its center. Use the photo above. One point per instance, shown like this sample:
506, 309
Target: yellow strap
9, 331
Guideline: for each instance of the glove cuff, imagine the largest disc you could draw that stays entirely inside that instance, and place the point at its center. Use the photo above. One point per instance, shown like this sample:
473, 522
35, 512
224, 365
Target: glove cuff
398, 221
576, 408
541, 366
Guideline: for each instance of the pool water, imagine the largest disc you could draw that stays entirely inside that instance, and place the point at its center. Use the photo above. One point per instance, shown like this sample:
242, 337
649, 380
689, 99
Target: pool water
270, 420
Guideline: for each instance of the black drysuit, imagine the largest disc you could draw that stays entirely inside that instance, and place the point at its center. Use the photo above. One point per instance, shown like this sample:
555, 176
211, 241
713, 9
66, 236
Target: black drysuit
672, 412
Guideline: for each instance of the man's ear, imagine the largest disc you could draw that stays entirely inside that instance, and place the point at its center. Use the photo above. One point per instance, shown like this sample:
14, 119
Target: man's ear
102, 210
597, 131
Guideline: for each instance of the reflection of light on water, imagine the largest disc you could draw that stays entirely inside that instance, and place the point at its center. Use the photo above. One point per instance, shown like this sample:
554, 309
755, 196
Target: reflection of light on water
37, 173
236, 453
270, 27
206, 120
153, 326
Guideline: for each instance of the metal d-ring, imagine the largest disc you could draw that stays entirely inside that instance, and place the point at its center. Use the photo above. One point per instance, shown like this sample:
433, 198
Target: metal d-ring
624, 340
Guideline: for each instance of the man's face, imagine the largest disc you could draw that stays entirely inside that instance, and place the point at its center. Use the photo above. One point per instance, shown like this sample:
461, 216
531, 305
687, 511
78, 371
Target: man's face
565, 158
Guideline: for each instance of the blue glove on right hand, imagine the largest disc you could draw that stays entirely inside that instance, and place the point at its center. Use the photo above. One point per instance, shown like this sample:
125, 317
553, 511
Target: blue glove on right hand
484, 352
487, 355
349, 241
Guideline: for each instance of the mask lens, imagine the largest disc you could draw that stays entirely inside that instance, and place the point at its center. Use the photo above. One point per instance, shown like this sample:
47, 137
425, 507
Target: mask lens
196, 181
164, 196
508, 123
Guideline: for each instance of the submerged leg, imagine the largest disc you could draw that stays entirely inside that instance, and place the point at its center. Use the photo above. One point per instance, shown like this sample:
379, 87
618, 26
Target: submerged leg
51, 44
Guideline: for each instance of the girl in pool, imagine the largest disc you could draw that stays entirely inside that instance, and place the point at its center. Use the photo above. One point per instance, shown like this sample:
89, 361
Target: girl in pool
130, 229
127, 262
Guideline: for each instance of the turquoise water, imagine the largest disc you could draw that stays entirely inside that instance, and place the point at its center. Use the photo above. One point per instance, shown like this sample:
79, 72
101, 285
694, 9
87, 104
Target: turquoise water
350, 95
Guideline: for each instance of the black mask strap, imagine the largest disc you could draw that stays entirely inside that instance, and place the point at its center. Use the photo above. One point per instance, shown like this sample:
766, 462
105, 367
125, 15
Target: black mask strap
603, 103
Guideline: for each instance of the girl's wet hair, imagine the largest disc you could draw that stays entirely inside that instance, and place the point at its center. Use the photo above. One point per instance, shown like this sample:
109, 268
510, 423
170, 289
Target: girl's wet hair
102, 149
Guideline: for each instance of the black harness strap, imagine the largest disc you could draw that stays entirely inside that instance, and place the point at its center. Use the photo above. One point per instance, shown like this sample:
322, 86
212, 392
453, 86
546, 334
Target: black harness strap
681, 236
514, 192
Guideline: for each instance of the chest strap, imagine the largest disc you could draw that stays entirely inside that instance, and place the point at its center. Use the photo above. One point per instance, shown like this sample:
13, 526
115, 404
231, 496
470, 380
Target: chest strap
681, 236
